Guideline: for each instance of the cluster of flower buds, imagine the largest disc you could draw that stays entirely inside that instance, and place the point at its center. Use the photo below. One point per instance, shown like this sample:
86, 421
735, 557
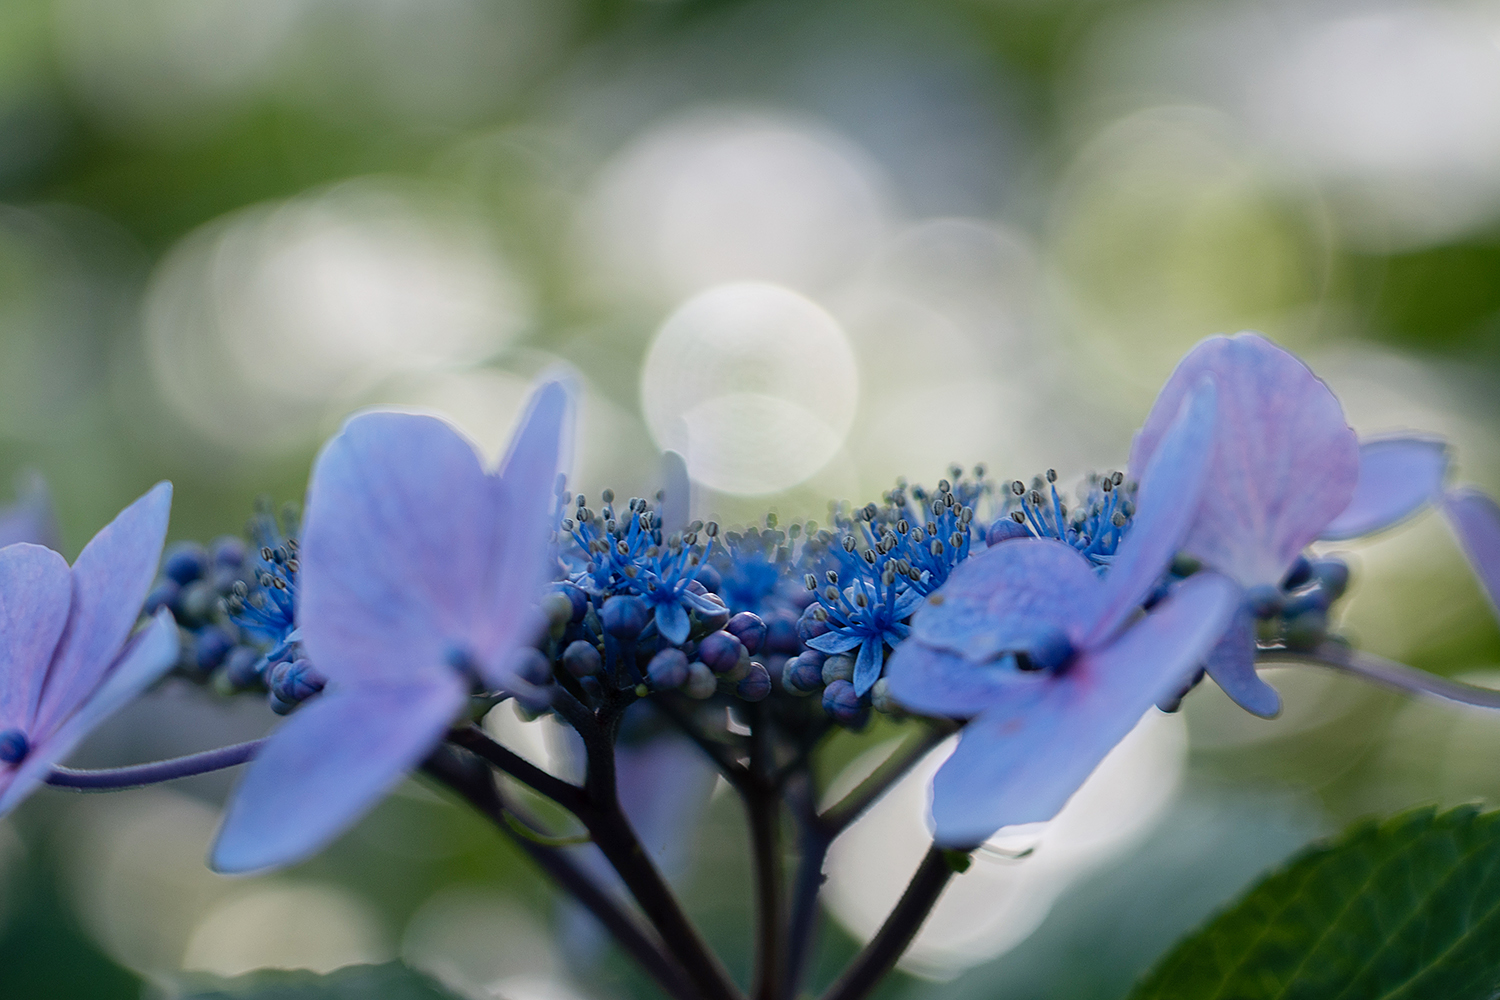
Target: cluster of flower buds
235, 605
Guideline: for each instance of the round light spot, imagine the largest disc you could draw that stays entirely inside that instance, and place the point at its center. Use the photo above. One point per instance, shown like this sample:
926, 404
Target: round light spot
261, 322
286, 926
999, 901
754, 384
722, 195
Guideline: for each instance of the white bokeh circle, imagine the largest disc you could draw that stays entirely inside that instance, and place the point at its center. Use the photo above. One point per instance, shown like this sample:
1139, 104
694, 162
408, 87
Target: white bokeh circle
755, 384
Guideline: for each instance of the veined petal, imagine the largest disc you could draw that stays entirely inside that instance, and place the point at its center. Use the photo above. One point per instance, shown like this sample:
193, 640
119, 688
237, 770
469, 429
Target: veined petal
1285, 462
834, 642
35, 593
1004, 598
1231, 664
867, 665
1475, 519
1023, 758
672, 623
327, 766
1397, 478
110, 581
1169, 493
150, 653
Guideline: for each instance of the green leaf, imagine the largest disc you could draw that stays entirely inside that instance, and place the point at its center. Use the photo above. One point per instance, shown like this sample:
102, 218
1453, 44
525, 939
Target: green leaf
1408, 908
392, 981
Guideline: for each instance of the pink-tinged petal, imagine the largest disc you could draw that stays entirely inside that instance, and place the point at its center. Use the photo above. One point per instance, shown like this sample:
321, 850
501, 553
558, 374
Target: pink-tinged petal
35, 593
1169, 493
31, 518
333, 760
1023, 758
1285, 462
1007, 597
150, 653
111, 577
940, 683
1231, 664
1397, 478
1475, 519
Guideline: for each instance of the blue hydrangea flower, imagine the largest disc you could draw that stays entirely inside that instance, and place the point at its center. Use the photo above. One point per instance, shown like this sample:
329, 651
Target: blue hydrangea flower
419, 576
631, 554
1286, 470
1048, 661
869, 613
65, 639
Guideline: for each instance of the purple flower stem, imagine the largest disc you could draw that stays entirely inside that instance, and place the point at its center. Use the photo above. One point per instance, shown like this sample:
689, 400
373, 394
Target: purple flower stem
763, 811
879, 956
114, 778
813, 842
478, 789
1388, 673
606, 822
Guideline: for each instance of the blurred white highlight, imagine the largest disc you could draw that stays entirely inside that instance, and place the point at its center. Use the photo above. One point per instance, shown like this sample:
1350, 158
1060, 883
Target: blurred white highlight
1403, 102
286, 926
754, 384
481, 944
261, 321
720, 195
998, 902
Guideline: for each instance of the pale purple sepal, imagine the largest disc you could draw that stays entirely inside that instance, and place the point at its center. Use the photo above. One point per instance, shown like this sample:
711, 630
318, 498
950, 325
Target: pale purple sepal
1170, 490
1021, 759
1285, 462
111, 577
327, 766
150, 653
419, 570
412, 555
1398, 476
1475, 519
1232, 666
63, 637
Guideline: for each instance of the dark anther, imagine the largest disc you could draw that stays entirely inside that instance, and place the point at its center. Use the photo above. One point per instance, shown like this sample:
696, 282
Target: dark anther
1018, 487
1051, 475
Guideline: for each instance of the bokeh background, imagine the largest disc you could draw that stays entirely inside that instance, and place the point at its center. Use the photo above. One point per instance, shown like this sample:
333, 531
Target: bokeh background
812, 245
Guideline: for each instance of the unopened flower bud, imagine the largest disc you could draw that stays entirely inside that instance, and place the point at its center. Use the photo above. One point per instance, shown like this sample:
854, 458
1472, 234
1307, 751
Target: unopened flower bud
624, 617
582, 659
756, 683
749, 629
668, 670
701, 682
839, 667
